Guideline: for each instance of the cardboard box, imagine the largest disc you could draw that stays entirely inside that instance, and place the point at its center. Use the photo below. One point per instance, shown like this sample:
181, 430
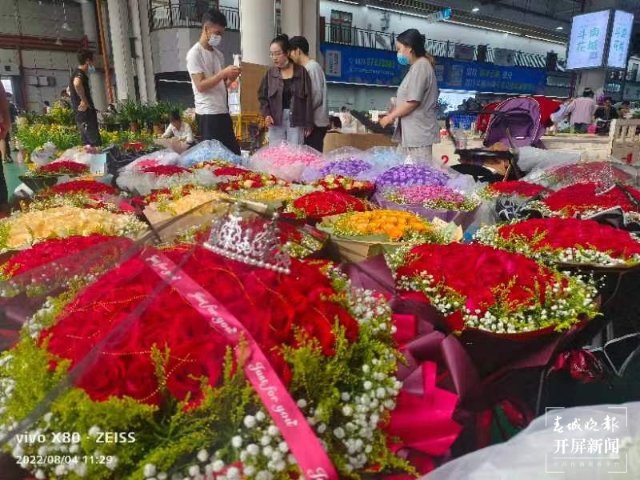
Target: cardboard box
362, 141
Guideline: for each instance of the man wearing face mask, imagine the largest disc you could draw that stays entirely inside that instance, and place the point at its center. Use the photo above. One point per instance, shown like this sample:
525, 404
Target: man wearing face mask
210, 80
81, 101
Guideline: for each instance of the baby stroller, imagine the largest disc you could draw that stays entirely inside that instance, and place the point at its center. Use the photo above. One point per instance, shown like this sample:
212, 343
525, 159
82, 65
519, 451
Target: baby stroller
513, 124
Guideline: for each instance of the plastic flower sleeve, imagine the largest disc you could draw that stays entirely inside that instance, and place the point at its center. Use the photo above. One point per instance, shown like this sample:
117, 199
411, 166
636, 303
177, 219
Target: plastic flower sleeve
161, 157
345, 161
206, 151
285, 160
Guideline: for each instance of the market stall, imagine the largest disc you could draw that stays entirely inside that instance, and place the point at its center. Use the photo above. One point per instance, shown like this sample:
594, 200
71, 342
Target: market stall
343, 299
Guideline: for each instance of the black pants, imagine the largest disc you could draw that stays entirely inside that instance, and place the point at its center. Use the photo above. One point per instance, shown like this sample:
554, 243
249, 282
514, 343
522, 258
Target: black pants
219, 127
87, 123
316, 138
4, 194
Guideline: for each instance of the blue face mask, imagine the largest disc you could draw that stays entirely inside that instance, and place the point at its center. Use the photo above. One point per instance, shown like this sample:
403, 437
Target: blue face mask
403, 59
92, 69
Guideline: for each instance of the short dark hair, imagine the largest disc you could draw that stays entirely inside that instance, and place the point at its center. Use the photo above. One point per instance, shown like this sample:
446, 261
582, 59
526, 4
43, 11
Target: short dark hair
626, 102
84, 55
283, 41
46, 102
214, 16
175, 115
587, 92
301, 43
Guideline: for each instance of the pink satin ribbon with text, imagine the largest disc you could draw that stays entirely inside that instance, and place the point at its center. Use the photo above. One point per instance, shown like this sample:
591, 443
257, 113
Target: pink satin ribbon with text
304, 444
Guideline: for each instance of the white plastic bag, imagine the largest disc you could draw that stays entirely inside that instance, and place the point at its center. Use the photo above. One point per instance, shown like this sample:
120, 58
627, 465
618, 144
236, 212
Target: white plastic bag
43, 155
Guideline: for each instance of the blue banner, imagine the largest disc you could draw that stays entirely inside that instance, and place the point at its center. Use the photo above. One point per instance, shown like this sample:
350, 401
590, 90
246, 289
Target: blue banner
368, 66
346, 64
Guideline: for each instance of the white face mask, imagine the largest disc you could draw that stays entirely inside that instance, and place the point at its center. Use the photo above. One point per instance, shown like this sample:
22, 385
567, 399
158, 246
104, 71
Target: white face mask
215, 40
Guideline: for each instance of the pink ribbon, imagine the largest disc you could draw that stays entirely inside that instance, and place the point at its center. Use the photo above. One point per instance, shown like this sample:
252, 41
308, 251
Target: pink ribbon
304, 445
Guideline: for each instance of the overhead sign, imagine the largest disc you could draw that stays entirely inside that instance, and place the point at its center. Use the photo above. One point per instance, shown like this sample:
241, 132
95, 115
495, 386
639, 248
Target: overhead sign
439, 16
364, 66
588, 40
620, 38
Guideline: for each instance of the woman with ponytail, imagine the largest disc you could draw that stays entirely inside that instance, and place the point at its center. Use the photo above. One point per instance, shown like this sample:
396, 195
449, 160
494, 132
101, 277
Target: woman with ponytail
415, 107
285, 96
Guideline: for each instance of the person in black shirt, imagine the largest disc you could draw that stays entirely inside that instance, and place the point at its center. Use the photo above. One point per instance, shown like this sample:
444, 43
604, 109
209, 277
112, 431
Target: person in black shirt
81, 101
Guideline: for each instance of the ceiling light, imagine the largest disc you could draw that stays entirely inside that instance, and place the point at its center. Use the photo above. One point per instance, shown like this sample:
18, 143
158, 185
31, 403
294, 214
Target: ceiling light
475, 9
560, 28
349, 2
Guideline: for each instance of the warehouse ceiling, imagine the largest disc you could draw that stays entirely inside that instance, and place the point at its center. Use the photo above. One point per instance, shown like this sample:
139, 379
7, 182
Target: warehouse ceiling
545, 19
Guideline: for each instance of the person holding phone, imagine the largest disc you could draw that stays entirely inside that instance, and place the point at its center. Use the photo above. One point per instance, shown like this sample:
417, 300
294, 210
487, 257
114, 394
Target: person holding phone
210, 79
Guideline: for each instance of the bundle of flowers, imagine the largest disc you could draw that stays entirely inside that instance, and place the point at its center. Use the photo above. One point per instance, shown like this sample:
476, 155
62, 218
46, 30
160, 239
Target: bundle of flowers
351, 167
175, 394
89, 187
565, 240
164, 170
145, 180
317, 205
383, 225
63, 167
51, 250
406, 175
480, 287
589, 172
230, 171
345, 185
250, 180
24, 229
180, 200
518, 188
431, 196
591, 198
285, 161
276, 194
82, 194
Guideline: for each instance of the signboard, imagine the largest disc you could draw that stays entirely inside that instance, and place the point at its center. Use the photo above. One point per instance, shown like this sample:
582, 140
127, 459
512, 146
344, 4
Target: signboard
620, 38
439, 16
488, 78
346, 64
588, 39
355, 65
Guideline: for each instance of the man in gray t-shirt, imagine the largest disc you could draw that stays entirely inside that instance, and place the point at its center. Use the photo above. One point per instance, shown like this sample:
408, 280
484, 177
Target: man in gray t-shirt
300, 54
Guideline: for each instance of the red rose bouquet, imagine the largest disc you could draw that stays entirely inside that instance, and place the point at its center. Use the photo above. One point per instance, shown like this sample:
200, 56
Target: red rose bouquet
52, 250
317, 205
591, 198
480, 287
63, 167
565, 241
518, 188
89, 187
172, 386
164, 170
587, 172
